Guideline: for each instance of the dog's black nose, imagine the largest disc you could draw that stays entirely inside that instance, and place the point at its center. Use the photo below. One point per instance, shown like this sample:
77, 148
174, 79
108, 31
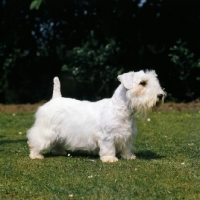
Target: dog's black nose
160, 96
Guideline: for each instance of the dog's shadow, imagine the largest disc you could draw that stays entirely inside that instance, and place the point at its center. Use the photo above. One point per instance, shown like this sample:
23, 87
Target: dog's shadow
75, 154
148, 155
12, 141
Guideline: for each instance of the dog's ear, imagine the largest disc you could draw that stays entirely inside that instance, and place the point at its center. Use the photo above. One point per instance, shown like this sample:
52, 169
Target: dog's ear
126, 80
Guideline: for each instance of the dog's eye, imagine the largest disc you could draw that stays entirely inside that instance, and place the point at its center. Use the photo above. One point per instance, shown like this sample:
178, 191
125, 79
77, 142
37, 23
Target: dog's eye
143, 83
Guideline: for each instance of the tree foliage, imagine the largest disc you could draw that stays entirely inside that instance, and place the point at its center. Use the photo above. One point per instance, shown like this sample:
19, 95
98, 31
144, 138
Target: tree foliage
186, 67
38, 37
94, 63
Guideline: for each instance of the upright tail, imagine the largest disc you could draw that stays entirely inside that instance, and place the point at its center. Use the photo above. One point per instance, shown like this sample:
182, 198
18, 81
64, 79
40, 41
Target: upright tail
56, 88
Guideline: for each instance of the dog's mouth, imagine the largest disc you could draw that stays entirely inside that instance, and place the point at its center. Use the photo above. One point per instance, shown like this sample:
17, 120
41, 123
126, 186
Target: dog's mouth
157, 105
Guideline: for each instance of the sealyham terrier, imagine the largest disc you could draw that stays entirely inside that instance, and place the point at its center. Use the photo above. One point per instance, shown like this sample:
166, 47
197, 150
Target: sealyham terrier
106, 127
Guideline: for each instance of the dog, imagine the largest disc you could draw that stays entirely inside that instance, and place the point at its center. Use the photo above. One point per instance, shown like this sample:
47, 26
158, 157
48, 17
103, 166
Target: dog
106, 127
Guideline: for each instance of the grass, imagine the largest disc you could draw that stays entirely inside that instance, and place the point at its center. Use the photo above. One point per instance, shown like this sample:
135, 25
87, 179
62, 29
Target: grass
167, 164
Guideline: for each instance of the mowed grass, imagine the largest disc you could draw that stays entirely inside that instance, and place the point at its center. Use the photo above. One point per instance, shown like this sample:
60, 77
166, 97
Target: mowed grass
167, 164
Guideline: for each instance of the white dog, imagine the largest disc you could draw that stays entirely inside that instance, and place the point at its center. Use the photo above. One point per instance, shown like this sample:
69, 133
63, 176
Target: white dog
106, 127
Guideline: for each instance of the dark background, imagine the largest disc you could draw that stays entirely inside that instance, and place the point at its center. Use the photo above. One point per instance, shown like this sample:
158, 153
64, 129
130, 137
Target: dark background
38, 38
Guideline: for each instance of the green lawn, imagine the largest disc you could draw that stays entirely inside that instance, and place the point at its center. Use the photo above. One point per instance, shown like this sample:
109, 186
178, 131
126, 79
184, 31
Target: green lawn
167, 164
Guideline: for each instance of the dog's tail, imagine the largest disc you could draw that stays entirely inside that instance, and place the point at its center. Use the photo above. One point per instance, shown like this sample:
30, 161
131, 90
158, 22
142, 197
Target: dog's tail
56, 88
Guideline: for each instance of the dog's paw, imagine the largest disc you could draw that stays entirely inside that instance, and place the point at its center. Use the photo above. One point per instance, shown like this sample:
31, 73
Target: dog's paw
36, 156
132, 157
129, 157
109, 159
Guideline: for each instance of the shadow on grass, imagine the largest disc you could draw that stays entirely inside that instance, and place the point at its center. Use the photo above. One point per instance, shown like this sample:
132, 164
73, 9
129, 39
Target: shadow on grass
148, 155
83, 154
13, 141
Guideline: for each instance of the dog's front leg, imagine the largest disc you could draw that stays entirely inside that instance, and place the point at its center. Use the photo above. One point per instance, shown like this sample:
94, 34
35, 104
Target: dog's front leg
126, 152
107, 150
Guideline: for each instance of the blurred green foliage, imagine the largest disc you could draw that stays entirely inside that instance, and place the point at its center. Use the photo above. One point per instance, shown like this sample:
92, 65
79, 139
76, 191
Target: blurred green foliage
185, 65
35, 4
92, 62
39, 38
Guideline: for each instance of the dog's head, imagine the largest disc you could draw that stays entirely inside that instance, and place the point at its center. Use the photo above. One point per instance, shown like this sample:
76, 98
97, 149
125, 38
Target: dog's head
144, 92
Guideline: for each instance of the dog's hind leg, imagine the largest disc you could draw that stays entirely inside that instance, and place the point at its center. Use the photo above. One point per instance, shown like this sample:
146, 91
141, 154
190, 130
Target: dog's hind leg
34, 152
38, 140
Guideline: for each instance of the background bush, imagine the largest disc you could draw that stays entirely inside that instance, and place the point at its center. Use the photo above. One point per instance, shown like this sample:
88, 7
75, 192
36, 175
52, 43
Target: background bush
40, 38
94, 64
186, 68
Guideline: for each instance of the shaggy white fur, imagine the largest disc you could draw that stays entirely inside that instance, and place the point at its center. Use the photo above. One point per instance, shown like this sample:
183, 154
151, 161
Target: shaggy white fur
106, 127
